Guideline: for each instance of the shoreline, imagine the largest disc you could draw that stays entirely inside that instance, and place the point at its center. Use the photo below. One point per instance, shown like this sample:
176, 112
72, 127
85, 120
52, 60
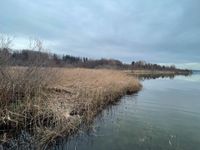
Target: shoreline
158, 72
77, 96
74, 99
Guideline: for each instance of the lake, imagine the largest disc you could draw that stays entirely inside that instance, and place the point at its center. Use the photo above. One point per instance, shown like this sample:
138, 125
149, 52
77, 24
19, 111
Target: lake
165, 114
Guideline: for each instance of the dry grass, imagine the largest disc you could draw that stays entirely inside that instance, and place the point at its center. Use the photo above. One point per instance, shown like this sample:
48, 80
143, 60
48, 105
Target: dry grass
23, 97
86, 89
75, 97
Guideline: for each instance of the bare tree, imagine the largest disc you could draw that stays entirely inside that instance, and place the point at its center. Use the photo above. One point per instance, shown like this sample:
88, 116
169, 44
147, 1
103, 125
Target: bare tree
6, 41
36, 44
40, 58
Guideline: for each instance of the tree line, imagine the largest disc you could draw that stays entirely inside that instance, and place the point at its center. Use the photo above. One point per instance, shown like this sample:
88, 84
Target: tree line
36, 56
44, 59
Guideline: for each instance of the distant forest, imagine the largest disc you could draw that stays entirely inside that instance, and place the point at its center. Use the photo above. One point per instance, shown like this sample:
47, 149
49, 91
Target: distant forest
44, 59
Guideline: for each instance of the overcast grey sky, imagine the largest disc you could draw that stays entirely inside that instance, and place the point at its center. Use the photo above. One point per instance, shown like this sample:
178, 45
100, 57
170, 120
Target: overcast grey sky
160, 31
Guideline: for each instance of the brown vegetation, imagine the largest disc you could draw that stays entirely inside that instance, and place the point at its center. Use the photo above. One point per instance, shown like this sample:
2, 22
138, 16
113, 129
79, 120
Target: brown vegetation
31, 101
51, 102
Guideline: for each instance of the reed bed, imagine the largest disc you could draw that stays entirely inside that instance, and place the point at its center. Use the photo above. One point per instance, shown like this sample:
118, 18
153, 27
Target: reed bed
50, 103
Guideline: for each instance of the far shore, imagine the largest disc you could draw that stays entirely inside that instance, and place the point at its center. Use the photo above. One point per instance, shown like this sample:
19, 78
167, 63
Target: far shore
158, 72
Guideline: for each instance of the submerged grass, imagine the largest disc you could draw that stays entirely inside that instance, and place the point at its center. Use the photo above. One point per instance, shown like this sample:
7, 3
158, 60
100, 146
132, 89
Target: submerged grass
55, 102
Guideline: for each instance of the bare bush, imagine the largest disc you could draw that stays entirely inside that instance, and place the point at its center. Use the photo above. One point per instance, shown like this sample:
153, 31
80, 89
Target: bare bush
5, 41
24, 95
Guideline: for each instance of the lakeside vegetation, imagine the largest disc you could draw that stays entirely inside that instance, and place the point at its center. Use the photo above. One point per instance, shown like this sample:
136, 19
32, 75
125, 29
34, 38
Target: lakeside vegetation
51, 96
52, 109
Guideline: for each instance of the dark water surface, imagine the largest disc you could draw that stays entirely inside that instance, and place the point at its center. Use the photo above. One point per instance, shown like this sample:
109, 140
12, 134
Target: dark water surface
165, 115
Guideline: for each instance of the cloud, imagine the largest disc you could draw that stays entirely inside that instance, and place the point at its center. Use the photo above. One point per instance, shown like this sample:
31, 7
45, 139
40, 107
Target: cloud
152, 30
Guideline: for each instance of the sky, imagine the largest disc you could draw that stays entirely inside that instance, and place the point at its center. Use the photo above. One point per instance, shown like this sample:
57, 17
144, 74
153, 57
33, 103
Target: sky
157, 31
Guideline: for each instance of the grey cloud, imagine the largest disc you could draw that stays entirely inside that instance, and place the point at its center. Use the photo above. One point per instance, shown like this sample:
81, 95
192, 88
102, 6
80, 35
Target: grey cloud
153, 30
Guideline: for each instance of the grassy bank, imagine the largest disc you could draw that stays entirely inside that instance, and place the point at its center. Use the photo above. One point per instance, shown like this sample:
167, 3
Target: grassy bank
55, 102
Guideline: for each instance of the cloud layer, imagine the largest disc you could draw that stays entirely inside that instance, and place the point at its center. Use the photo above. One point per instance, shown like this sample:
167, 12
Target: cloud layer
153, 30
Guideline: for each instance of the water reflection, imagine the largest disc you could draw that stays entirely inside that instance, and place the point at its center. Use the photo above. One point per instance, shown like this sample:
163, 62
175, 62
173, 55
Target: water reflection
157, 76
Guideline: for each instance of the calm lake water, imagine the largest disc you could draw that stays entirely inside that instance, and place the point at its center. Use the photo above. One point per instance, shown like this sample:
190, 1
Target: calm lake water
164, 115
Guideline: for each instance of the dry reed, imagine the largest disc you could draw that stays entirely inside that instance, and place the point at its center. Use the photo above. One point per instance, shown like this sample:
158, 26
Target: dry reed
53, 106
